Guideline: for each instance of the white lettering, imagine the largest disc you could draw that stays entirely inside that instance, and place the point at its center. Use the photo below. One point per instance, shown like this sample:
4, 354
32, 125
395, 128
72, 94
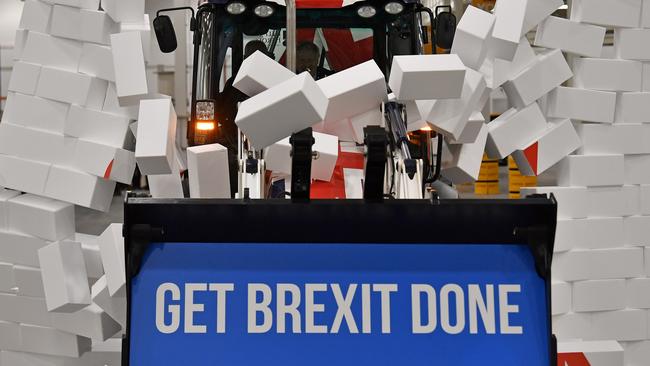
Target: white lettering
262, 307
416, 292
173, 310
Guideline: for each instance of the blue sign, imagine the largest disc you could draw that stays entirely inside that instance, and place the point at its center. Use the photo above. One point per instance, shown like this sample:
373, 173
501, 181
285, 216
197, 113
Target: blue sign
338, 304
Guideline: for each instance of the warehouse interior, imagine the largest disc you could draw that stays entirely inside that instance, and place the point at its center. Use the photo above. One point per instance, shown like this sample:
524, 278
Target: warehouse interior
231, 182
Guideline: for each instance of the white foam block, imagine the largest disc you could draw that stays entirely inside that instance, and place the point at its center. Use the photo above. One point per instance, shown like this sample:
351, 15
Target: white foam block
572, 202
91, 322
156, 136
35, 112
613, 201
29, 281
36, 16
514, 130
559, 140
573, 37
100, 127
20, 248
598, 264
111, 245
590, 233
631, 44
624, 14
582, 104
412, 77
645, 14
115, 306
22, 174
508, 28
644, 202
50, 341
56, 52
465, 162
472, 34
637, 353
614, 139
71, 87
124, 11
36, 145
166, 185
97, 60
64, 275
597, 353
41, 217
561, 297
572, 326
646, 77
599, 295
607, 74
353, 91
472, 129
591, 170
638, 293
450, 116
622, 325
24, 78
5, 196
327, 149
208, 171
637, 230
7, 282
527, 86
637, 169
105, 161
633, 108
96, 26
292, 106
130, 72
24, 309
259, 72
496, 71
109, 358
19, 43
80, 188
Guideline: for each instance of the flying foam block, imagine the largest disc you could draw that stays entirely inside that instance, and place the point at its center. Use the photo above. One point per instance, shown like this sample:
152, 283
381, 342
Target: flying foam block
537, 11
608, 74
78, 187
82, 24
549, 71
97, 60
559, 140
592, 170
450, 116
65, 279
130, 71
472, 33
508, 28
258, 73
424, 77
513, 130
278, 159
24, 78
111, 246
53, 342
472, 129
114, 306
208, 171
577, 38
278, 112
156, 138
35, 112
353, 91
124, 11
36, 16
632, 108
71, 87
44, 49
465, 163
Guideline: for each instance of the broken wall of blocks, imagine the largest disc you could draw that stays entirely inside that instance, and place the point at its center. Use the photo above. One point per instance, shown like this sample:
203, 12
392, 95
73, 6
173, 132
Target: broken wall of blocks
66, 139
601, 263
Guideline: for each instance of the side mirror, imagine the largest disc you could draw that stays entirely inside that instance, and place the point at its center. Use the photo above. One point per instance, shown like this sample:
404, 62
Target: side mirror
165, 33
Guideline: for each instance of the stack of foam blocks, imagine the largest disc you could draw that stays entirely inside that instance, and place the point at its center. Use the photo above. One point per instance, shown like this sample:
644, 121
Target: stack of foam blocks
65, 140
601, 265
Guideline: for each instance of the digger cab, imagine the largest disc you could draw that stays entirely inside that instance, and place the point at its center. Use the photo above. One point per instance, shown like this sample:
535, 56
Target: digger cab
330, 36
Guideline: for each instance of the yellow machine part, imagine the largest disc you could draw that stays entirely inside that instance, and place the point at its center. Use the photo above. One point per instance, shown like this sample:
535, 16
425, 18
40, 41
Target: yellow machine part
516, 180
488, 178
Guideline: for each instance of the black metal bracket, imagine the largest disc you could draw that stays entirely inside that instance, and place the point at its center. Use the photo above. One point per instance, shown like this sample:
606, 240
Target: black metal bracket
139, 237
537, 237
301, 158
375, 162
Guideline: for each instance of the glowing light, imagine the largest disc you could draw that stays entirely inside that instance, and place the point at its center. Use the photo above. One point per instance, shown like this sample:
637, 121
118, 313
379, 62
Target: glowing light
205, 126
